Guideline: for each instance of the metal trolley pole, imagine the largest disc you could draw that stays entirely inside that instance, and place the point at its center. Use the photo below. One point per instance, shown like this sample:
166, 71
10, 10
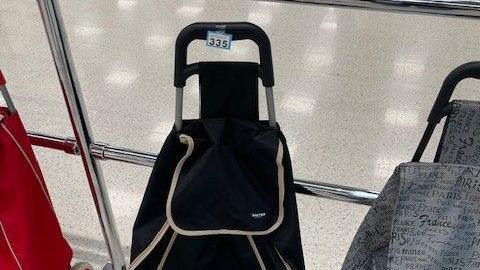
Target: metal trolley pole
57, 38
84, 145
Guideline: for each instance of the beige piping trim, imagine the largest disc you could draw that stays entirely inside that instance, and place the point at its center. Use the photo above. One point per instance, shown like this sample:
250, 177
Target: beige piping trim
150, 247
10, 247
37, 177
167, 251
185, 139
257, 254
283, 260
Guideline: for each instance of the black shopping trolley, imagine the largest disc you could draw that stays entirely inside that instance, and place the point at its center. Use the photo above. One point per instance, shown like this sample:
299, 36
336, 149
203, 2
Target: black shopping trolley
221, 194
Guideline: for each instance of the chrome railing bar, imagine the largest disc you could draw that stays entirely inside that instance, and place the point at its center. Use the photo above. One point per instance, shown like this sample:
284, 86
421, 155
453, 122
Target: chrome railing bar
57, 38
318, 189
468, 8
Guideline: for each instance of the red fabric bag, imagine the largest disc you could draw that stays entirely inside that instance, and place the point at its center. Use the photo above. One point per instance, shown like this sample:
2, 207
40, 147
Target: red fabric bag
30, 235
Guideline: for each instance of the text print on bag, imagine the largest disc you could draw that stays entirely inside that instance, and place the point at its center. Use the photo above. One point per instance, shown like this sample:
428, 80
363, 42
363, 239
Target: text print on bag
219, 40
258, 215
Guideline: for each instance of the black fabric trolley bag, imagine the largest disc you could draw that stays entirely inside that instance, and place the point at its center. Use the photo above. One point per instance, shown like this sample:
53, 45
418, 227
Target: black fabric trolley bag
221, 194
427, 216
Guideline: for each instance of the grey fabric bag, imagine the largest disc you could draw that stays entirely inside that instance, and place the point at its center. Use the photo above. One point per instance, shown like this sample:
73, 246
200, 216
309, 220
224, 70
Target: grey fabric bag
427, 214
425, 218
460, 141
396, 233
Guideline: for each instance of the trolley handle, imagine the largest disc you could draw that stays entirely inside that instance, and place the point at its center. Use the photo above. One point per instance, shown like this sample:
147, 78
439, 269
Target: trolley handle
239, 31
468, 70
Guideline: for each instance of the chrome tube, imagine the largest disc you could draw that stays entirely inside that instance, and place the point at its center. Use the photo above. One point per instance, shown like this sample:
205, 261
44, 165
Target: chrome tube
57, 37
323, 190
468, 8
67, 145
179, 108
272, 119
107, 152
54, 140
336, 192
8, 99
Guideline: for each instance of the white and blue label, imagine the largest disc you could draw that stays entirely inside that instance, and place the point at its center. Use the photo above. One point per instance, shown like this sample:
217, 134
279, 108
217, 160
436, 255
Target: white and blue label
219, 40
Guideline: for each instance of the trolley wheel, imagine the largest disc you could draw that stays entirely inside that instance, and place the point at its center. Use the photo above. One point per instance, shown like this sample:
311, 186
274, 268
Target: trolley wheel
82, 266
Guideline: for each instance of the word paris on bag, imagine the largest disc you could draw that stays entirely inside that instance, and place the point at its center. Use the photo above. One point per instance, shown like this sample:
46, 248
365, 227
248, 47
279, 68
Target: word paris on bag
426, 217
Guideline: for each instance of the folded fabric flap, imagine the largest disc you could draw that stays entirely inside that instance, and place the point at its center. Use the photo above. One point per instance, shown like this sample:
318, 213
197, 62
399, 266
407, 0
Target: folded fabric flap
251, 167
230, 181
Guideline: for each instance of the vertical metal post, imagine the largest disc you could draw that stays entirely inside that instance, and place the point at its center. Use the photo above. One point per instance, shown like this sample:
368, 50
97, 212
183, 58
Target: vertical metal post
272, 119
179, 108
57, 37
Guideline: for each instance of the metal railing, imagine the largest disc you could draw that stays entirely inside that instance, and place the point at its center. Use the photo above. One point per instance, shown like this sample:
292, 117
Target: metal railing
468, 8
60, 48
104, 151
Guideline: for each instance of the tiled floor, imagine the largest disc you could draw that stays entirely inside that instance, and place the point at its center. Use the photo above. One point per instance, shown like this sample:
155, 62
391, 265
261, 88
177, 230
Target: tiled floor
353, 90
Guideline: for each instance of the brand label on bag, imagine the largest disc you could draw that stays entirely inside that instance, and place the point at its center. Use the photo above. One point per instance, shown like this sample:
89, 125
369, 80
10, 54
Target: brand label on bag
258, 215
219, 39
